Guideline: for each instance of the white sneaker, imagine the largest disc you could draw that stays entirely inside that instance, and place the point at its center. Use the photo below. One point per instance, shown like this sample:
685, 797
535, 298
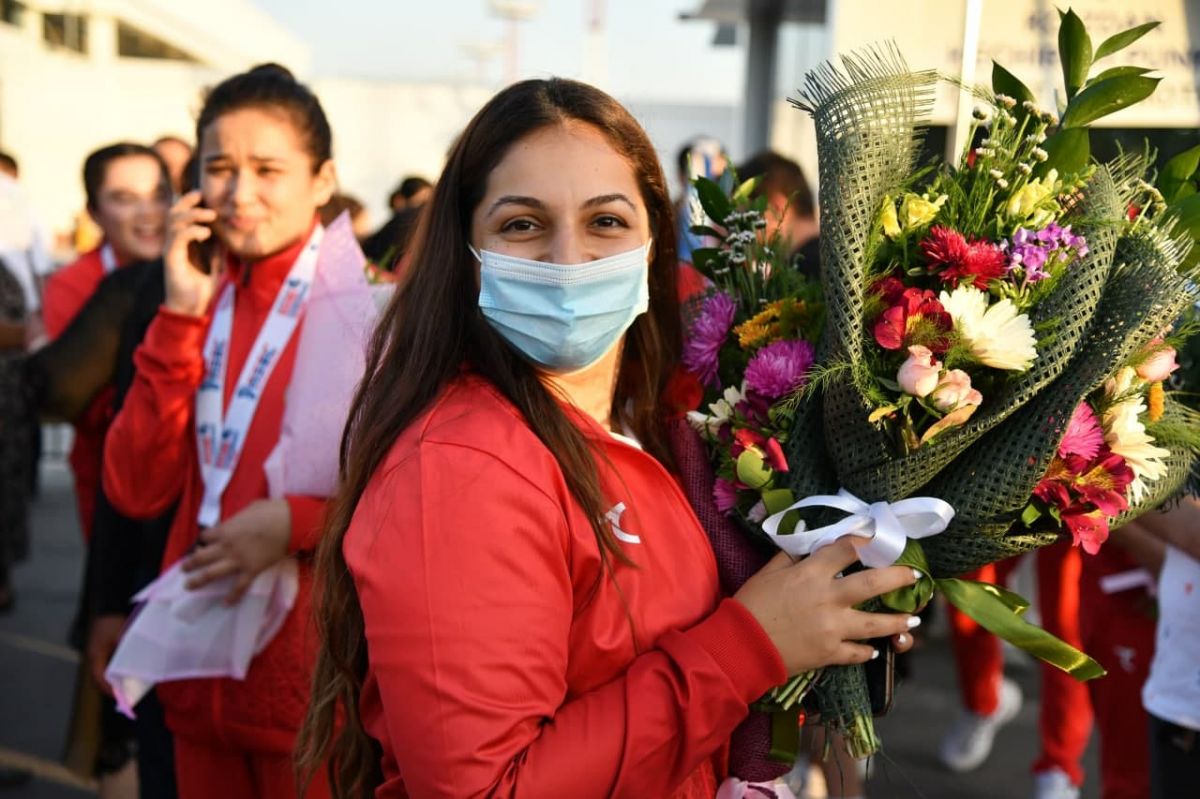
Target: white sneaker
969, 741
1054, 784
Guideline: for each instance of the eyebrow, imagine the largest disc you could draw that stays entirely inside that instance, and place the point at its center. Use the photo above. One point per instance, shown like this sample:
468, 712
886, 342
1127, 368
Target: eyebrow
262, 159
534, 202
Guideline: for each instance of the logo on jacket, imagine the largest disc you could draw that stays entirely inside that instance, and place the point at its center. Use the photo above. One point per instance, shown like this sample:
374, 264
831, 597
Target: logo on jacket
614, 519
293, 297
207, 435
254, 384
215, 365
229, 440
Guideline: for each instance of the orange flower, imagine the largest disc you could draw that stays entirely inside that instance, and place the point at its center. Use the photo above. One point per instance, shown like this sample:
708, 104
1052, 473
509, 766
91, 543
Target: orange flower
1156, 398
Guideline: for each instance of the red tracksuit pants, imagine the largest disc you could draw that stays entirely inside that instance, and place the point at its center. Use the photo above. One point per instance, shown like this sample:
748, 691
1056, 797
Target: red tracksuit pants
1118, 631
1065, 720
207, 771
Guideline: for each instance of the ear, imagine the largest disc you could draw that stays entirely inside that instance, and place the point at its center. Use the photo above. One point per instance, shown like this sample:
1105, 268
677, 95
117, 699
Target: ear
324, 183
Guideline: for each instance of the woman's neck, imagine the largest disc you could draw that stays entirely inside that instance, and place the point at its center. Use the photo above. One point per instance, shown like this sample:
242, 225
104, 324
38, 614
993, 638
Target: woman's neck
592, 388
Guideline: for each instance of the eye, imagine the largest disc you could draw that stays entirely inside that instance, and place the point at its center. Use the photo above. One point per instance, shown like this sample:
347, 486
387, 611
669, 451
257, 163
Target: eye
521, 225
609, 221
267, 171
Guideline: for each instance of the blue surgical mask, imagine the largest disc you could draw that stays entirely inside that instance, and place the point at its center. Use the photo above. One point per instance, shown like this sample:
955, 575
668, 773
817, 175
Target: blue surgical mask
563, 317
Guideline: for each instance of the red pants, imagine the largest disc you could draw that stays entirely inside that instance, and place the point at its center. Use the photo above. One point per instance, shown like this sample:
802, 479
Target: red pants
204, 771
1065, 720
1118, 631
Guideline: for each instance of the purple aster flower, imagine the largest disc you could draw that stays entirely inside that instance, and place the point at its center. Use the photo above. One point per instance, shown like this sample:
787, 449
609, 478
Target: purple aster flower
706, 335
724, 495
779, 369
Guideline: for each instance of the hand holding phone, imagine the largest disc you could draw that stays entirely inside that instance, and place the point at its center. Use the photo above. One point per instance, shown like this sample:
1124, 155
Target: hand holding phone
188, 263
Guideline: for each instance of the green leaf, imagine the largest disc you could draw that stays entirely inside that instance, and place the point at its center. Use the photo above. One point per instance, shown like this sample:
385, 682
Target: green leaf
1068, 150
1030, 515
1187, 211
1177, 173
1119, 41
1004, 82
714, 201
1074, 50
1107, 97
1118, 72
777, 499
707, 230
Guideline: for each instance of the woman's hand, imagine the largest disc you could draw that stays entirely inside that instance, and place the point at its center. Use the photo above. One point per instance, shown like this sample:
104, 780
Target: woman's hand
808, 612
245, 545
189, 288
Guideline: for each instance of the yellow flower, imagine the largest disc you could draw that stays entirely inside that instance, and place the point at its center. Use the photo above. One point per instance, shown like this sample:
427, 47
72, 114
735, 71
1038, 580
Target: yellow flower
1026, 200
752, 334
1157, 399
891, 225
917, 212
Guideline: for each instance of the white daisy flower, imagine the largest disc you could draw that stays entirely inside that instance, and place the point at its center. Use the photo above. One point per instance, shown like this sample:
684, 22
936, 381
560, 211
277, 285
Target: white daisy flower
997, 334
1126, 435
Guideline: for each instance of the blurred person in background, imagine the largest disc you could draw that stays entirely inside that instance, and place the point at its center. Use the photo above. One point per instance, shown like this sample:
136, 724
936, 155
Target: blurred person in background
343, 203
176, 154
128, 192
15, 432
388, 245
791, 211
705, 157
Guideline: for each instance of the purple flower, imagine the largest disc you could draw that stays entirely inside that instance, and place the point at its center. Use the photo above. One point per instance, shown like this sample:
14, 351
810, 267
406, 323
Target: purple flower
706, 335
779, 369
724, 495
1031, 252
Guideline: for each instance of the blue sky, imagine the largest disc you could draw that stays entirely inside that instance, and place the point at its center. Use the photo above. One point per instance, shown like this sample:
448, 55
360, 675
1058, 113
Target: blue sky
651, 54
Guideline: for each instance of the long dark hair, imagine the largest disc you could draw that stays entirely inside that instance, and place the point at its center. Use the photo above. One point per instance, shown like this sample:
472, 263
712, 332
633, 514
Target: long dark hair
432, 327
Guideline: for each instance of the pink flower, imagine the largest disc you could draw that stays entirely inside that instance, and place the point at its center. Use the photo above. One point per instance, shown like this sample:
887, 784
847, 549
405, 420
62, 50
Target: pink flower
919, 374
954, 390
724, 495
1159, 365
1084, 436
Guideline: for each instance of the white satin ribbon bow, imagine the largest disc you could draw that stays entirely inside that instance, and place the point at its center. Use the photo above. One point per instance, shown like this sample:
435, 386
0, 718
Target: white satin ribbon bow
888, 525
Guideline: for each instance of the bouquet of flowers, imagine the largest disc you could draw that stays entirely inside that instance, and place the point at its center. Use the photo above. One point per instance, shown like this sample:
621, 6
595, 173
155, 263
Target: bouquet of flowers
1048, 297
996, 334
750, 346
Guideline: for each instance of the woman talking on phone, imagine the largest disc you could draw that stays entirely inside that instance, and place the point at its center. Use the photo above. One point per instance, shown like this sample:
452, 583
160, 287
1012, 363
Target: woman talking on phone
516, 598
204, 413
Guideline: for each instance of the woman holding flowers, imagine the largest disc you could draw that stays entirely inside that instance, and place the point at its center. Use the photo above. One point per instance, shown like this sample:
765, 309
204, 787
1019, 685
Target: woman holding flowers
516, 596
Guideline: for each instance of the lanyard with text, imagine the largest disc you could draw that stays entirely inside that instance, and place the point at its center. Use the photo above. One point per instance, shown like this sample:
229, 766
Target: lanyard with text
108, 259
220, 437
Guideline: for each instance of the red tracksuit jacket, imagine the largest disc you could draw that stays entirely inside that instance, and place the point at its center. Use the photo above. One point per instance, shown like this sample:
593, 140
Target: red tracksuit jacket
502, 661
150, 462
67, 291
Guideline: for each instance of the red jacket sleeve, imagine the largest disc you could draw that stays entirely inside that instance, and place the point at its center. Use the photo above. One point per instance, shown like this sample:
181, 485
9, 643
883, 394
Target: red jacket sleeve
462, 570
67, 291
147, 449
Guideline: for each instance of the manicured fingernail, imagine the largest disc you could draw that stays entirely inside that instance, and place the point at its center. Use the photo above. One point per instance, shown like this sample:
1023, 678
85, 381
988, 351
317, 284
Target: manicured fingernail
874, 654
916, 574
913, 621
902, 639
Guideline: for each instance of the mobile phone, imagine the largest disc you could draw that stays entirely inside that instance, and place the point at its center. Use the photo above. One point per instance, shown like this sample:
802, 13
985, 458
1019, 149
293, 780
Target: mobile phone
200, 253
881, 676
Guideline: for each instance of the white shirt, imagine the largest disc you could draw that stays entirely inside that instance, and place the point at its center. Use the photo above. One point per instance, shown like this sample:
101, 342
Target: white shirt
1172, 693
22, 245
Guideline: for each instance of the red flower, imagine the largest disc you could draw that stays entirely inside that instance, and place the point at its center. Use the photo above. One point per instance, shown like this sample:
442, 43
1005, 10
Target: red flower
1105, 483
959, 260
1089, 529
895, 328
891, 289
972, 156
683, 393
769, 448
